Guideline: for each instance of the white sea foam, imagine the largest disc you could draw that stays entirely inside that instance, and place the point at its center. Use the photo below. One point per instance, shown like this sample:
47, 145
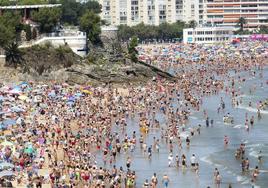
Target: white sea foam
253, 145
193, 117
254, 154
247, 181
184, 134
218, 165
250, 109
206, 160
239, 126
240, 178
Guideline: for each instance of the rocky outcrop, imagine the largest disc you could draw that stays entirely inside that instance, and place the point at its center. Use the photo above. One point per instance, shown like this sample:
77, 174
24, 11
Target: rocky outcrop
106, 64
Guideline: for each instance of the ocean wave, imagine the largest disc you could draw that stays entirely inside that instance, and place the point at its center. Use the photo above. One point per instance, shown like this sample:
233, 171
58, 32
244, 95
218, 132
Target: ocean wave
184, 134
254, 154
239, 126
252, 109
241, 178
206, 160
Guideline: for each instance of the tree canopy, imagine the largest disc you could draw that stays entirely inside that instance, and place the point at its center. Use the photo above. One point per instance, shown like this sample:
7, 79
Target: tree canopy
145, 32
10, 25
73, 10
90, 23
48, 18
132, 51
26, 2
241, 22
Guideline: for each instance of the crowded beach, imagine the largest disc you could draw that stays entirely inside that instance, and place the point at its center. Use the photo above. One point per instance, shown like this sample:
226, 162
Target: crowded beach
61, 135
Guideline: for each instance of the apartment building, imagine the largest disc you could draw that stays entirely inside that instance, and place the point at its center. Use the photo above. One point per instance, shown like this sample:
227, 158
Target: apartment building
151, 12
227, 12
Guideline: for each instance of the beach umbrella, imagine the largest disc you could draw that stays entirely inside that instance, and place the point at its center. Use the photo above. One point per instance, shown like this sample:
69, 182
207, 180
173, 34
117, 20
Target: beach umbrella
71, 98
78, 95
2, 98
9, 122
6, 165
16, 109
29, 150
52, 94
6, 173
23, 97
87, 92
70, 103
8, 144
15, 91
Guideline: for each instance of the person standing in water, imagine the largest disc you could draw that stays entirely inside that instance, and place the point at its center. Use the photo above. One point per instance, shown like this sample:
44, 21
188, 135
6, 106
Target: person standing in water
165, 180
226, 141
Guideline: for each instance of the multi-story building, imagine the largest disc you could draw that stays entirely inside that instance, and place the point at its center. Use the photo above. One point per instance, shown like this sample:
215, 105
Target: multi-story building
206, 35
152, 12
228, 12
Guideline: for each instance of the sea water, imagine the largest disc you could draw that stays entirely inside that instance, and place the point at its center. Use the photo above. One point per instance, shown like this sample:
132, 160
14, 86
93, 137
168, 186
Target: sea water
208, 146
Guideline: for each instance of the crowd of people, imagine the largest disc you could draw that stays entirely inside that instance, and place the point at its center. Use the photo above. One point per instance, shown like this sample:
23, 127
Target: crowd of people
52, 133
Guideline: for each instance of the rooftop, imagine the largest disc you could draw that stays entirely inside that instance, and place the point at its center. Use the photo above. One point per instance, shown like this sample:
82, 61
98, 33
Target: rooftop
14, 7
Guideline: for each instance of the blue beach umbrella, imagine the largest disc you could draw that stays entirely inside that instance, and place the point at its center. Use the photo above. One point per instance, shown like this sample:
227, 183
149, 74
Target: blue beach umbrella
16, 109
72, 98
2, 98
9, 122
6, 173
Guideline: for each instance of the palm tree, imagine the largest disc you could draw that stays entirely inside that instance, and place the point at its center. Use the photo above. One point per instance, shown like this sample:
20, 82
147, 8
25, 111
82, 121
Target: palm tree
13, 54
241, 22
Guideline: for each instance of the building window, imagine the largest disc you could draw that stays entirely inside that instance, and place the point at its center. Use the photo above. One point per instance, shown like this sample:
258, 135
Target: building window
190, 32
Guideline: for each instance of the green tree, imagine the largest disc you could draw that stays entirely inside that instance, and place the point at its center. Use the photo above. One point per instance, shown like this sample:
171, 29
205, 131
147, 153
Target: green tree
47, 18
93, 6
7, 35
241, 22
90, 23
13, 54
263, 29
149, 32
124, 32
10, 27
34, 33
28, 31
70, 10
192, 24
132, 51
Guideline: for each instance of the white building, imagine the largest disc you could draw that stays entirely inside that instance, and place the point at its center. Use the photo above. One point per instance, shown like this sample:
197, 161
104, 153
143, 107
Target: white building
206, 35
75, 39
150, 12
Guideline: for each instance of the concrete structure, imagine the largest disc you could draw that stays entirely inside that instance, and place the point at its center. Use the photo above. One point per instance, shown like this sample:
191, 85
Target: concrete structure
75, 39
151, 12
227, 12
109, 32
206, 35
